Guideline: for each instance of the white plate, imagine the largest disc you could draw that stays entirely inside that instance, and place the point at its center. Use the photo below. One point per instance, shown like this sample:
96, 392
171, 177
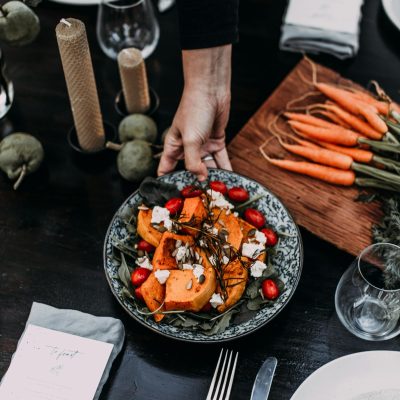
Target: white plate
392, 10
371, 375
78, 2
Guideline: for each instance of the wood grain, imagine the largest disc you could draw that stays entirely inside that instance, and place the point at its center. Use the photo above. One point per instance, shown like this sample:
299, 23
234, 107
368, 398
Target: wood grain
328, 211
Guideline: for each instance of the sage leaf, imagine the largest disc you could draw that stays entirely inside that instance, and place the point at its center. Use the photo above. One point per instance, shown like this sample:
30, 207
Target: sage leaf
156, 192
124, 273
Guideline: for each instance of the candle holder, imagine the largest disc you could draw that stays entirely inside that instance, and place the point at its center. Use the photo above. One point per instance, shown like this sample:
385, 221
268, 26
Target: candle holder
120, 105
110, 135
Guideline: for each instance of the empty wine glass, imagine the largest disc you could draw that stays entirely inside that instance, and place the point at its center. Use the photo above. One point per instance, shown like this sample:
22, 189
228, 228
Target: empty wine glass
127, 23
367, 298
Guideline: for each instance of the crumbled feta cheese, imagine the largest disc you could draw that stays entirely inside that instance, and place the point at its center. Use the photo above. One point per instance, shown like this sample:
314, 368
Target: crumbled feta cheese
252, 250
218, 200
144, 262
257, 269
161, 214
187, 266
216, 300
235, 214
225, 260
212, 259
198, 270
214, 231
260, 237
162, 275
181, 253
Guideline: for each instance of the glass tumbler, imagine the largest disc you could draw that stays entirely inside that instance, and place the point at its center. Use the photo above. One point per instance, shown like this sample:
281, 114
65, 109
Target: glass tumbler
127, 23
365, 304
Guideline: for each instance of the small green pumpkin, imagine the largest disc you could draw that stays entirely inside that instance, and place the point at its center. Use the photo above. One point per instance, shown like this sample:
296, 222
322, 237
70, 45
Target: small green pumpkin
135, 160
137, 126
20, 155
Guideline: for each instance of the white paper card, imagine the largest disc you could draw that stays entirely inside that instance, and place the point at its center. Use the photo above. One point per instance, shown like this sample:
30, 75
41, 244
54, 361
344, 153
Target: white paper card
333, 15
52, 365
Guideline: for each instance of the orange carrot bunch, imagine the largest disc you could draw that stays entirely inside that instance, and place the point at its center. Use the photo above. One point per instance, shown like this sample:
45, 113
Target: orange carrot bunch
346, 139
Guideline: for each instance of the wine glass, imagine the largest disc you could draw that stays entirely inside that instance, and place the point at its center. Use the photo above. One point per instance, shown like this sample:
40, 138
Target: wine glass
367, 297
127, 23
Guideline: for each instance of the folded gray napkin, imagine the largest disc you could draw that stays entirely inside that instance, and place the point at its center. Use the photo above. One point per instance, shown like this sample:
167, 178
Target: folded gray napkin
322, 26
105, 329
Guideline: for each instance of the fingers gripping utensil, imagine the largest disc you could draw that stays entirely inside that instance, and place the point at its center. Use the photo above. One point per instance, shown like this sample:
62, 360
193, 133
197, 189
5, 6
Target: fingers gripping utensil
262, 383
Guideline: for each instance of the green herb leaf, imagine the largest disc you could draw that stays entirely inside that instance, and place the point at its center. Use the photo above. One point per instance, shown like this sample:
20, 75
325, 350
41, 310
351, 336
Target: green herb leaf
124, 273
156, 192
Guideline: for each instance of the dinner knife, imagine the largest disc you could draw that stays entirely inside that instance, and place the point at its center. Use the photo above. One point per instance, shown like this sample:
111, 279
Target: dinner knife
262, 383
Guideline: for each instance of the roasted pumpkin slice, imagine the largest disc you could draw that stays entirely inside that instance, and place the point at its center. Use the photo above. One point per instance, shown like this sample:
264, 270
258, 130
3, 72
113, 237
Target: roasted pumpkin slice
163, 258
153, 295
235, 279
193, 213
184, 292
145, 230
231, 224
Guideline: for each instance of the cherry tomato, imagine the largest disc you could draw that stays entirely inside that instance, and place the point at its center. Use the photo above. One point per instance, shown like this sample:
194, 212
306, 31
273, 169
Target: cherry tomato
207, 307
191, 191
145, 246
238, 194
270, 289
174, 205
254, 217
138, 293
139, 275
272, 237
219, 186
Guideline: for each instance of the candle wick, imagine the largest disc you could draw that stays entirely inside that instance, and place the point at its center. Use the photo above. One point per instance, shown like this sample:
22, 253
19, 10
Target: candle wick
65, 22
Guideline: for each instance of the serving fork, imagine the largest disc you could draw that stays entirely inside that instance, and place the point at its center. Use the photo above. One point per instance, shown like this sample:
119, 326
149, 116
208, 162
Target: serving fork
223, 375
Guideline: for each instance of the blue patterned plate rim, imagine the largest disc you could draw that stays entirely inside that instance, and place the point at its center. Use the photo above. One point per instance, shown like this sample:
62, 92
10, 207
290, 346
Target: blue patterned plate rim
195, 336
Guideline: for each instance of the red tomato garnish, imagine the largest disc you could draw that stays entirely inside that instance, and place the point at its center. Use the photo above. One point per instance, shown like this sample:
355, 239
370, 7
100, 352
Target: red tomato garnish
238, 194
138, 293
272, 237
191, 191
174, 205
270, 289
254, 217
219, 186
145, 246
206, 308
139, 275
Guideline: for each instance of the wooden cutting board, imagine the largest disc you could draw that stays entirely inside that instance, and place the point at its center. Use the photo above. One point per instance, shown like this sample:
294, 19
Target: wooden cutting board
328, 211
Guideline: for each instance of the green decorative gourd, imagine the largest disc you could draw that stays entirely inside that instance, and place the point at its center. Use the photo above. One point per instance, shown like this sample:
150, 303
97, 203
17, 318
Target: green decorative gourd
19, 25
20, 155
137, 126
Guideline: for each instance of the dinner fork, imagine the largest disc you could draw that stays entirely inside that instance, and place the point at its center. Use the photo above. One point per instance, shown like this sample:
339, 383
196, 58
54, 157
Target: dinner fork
226, 372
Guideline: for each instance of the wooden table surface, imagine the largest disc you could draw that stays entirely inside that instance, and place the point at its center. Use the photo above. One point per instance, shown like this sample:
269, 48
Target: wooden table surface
52, 229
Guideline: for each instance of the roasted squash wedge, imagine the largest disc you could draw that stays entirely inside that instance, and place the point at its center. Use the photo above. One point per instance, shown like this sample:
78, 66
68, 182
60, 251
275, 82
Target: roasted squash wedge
153, 294
145, 230
179, 297
163, 258
232, 226
235, 279
194, 212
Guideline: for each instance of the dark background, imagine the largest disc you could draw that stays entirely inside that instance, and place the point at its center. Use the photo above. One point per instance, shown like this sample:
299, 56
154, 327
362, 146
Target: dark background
52, 229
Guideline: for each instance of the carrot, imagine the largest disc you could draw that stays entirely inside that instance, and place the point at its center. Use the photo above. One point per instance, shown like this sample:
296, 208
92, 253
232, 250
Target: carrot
339, 135
309, 119
321, 172
350, 103
333, 117
355, 122
320, 155
381, 106
356, 154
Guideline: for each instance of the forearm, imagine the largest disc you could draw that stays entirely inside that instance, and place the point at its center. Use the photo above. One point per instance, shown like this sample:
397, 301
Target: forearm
208, 71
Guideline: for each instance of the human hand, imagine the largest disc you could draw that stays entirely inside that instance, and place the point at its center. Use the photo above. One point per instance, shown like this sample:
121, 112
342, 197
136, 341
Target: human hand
198, 128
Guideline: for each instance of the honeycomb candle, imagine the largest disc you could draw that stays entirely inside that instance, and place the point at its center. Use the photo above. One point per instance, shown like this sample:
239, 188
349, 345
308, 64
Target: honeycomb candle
81, 85
132, 70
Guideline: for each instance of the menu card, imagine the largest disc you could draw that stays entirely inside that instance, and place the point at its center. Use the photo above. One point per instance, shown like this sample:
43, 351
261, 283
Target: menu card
52, 365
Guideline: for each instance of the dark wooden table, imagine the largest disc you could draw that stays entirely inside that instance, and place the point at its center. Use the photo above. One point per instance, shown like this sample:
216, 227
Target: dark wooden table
52, 229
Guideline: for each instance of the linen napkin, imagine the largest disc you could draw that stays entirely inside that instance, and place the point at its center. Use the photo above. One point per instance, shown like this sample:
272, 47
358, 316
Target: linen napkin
105, 329
322, 26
